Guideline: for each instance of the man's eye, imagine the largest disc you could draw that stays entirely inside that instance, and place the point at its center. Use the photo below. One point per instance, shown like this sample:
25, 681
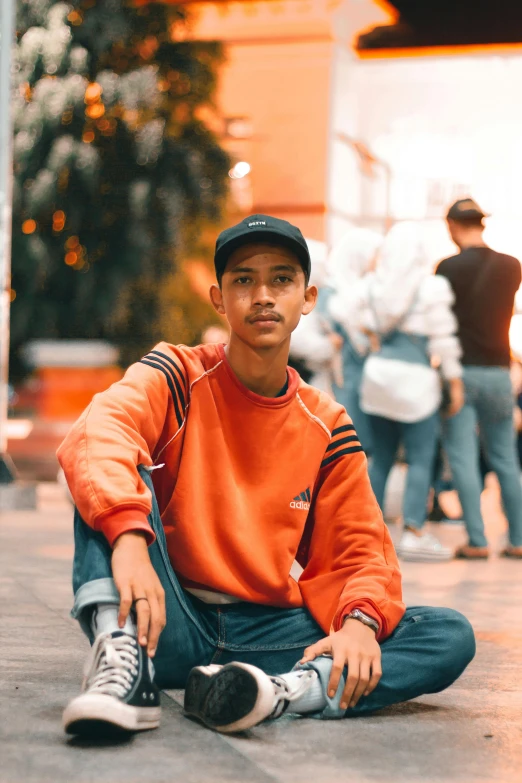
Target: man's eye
283, 279
242, 280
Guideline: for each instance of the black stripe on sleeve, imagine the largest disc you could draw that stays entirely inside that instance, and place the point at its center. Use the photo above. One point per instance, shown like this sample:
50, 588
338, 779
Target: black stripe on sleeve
344, 428
352, 450
172, 363
149, 363
349, 439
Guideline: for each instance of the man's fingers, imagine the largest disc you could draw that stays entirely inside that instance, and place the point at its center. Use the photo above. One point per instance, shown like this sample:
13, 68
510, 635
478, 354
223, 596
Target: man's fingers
335, 675
319, 648
156, 624
360, 688
143, 620
351, 682
125, 605
376, 676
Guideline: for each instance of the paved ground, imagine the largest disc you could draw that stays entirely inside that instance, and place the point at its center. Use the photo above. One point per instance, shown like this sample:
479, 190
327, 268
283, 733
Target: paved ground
473, 732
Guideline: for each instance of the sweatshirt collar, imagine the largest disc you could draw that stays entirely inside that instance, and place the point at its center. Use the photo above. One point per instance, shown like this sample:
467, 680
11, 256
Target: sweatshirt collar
293, 380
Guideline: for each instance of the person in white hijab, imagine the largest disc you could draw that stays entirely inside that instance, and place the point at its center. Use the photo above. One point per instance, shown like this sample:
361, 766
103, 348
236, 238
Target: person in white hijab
349, 263
403, 297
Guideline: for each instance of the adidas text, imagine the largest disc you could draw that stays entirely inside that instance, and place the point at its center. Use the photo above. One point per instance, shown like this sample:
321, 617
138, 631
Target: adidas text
300, 504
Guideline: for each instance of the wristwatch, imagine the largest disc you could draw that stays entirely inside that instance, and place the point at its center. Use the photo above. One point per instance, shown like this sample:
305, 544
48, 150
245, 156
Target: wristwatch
356, 614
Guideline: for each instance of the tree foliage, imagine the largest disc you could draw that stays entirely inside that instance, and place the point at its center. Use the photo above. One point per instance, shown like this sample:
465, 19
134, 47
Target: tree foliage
116, 169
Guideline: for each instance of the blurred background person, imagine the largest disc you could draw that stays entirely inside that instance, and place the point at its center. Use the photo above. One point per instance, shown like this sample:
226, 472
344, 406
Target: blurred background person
406, 312
215, 334
315, 346
350, 261
485, 283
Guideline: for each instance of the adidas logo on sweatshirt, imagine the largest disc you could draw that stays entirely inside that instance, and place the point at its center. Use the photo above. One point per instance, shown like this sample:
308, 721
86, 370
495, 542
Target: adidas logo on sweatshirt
302, 501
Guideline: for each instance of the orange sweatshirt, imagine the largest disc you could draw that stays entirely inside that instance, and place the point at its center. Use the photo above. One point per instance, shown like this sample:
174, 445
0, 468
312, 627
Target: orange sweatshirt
249, 484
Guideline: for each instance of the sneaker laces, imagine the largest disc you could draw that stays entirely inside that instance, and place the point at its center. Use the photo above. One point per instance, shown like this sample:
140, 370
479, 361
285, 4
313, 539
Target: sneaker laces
287, 692
112, 666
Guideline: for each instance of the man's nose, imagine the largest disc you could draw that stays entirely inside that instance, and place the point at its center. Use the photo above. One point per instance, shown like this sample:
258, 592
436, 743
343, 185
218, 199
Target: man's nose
263, 296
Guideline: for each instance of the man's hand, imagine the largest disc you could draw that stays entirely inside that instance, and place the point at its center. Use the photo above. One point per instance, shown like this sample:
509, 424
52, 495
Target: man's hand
457, 397
136, 578
354, 645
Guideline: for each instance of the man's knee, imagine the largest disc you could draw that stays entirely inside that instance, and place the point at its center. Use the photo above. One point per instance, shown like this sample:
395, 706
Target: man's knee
458, 645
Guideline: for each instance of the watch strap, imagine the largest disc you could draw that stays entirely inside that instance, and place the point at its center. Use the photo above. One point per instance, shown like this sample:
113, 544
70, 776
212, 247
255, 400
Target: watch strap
356, 614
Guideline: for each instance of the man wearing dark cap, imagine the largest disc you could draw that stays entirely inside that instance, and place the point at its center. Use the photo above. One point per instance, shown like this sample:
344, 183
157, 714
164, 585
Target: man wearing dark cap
485, 283
199, 480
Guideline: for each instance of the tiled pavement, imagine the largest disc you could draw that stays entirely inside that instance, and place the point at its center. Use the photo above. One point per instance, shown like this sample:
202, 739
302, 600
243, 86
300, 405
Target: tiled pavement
472, 732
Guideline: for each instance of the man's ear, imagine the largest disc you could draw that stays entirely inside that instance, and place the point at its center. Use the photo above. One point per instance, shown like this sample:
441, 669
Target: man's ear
310, 299
216, 297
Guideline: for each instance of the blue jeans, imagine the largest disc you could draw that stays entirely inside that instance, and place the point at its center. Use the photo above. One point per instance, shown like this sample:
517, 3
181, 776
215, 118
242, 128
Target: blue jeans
430, 648
420, 443
349, 394
488, 409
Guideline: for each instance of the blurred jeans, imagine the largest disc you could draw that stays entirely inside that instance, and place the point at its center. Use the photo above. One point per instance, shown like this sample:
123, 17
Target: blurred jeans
348, 395
489, 407
428, 650
420, 442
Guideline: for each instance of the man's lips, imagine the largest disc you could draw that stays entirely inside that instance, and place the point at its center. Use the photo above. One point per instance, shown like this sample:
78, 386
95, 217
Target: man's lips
264, 317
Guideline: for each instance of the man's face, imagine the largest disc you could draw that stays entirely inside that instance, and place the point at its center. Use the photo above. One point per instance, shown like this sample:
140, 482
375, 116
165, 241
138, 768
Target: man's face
263, 294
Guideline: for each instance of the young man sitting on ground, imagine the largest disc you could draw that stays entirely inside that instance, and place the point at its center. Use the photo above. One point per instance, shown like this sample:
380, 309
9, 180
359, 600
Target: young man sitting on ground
199, 478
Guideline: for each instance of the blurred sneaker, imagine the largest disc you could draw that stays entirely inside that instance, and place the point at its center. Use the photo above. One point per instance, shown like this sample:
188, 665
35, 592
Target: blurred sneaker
514, 552
424, 548
468, 552
238, 696
118, 692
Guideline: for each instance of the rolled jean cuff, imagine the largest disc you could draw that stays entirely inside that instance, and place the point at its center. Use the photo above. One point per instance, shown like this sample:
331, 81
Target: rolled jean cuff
323, 667
99, 591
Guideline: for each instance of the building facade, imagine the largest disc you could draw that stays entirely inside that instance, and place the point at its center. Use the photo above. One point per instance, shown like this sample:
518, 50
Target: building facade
334, 136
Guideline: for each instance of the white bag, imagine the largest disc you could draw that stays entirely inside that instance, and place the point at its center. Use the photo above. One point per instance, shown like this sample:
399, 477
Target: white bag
399, 390
398, 381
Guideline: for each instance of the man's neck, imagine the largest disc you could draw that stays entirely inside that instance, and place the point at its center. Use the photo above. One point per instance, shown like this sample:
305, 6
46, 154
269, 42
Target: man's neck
472, 239
263, 371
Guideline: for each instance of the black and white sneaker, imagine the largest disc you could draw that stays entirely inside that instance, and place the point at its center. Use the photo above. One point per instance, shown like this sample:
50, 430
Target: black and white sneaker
118, 691
238, 696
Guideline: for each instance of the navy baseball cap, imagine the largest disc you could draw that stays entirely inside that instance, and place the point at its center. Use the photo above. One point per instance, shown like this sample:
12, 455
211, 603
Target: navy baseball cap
261, 228
465, 209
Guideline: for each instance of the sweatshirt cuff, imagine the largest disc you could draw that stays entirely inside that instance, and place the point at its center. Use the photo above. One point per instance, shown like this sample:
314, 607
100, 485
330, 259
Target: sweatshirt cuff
126, 520
365, 606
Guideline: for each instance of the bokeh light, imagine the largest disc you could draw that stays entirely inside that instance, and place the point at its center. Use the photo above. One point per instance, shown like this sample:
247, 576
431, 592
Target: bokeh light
240, 170
29, 226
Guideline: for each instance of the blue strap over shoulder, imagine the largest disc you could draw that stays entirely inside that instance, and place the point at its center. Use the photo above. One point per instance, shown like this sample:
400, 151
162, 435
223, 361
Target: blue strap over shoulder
399, 345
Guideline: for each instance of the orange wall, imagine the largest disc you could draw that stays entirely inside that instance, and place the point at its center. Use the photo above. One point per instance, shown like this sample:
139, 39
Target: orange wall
284, 90
283, 74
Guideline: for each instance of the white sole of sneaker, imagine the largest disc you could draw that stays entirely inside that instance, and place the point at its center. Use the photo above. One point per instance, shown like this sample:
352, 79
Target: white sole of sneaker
248, 678
90, 709
264, 703
425, 557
